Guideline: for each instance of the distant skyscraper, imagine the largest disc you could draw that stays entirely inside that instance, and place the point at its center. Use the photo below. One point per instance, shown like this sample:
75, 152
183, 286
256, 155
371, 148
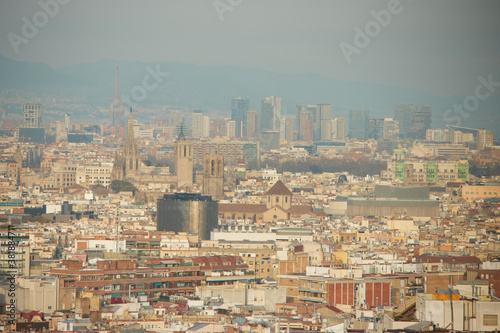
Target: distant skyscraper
67, 123
116, 107
421, 122
239, 108
325, 122
253, 124
219, 127
305, 120
376, 129
358, 124
390, 129
338, 129
206, 126
200, 126
231, 127
270, 114
286, 128
33, 114
413, 119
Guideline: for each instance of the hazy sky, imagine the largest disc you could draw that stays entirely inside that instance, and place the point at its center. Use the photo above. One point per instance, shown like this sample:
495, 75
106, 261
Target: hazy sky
440, 47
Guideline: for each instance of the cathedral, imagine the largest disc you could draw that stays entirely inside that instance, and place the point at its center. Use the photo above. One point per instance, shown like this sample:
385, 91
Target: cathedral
127, 165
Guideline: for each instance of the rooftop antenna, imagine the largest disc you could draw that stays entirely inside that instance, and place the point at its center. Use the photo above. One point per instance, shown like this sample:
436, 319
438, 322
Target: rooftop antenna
116, 84
117, 226
181, 136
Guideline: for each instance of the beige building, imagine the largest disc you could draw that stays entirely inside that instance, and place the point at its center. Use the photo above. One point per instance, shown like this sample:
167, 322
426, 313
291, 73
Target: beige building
64, 174
427, 172
98, 174
37, 293
484, 139
473, 193
259, 256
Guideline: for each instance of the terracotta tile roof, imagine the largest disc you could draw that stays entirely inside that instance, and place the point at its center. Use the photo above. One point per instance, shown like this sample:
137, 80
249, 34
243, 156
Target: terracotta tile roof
298, 210
447, 259
279, 189
242, 208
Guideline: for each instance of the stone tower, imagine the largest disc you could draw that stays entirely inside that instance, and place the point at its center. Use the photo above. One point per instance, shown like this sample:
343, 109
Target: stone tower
128, 164
213, 176
183, 151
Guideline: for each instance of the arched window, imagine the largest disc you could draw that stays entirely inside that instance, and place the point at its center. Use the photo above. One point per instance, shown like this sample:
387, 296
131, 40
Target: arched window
213, 167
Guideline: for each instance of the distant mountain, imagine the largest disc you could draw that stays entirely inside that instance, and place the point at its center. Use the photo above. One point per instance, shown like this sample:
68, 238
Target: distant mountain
34, 76
211, 88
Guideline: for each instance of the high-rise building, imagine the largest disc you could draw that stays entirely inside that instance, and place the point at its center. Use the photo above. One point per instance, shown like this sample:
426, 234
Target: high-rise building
232, 128
213, 176
325, 122
219, 127
390, 129
306, 122
413, 119
116, 107
15, 263
358, 124
200, 127
233, 151
33, 114
484, 139
286, 128
206, 126
253, 124
305, 125
67, 123
376, 129
197, 124
270, 114
421, 122
187, 212
338, 129
239, 108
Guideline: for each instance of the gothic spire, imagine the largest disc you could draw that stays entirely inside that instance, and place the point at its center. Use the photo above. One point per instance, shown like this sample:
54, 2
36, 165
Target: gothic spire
130, 135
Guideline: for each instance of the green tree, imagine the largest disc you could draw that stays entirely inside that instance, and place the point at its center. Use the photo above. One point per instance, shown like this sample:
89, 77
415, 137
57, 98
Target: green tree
58, 252
122, 185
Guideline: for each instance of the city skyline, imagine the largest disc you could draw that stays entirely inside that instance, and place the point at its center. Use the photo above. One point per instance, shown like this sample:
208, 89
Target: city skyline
235, 166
